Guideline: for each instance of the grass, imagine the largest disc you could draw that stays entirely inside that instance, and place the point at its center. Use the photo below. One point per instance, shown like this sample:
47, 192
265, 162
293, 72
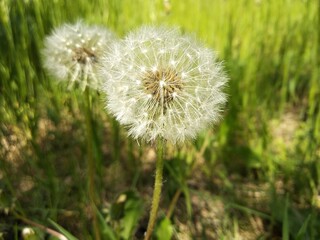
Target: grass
255, 176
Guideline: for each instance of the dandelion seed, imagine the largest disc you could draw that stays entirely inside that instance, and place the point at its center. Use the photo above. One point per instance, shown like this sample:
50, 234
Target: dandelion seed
71, 53
181, 84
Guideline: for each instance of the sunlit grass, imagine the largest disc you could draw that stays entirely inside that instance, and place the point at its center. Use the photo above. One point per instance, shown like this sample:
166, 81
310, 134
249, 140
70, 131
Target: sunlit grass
255, 175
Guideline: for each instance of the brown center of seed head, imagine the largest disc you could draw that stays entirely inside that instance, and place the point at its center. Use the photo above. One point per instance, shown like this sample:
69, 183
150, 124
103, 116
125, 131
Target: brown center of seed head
162, 84
83, 55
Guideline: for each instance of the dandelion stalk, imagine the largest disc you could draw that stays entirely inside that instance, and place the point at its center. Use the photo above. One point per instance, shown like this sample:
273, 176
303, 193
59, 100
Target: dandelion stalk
91, 163
157, 188
72, 53
165, 87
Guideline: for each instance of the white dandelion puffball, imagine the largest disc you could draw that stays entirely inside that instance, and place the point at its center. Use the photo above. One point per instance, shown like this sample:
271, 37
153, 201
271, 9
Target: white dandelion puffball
163, 84
71, 53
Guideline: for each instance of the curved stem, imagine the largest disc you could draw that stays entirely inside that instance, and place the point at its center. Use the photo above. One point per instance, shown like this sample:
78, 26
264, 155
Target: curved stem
173, 203
42, 227
157, 189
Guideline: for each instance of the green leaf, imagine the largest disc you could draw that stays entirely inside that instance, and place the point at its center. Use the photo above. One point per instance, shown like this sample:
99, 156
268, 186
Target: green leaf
133, 210
106, 230
127, 210
117, 208
164, 230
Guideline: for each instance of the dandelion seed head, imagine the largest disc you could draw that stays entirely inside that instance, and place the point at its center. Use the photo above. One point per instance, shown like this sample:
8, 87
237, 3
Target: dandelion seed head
72, 52
176, 83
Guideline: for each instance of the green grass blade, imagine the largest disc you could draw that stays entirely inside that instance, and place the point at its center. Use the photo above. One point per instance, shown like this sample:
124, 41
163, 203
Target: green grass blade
285, 221
303, 230
68, 235
106, 231
250, 211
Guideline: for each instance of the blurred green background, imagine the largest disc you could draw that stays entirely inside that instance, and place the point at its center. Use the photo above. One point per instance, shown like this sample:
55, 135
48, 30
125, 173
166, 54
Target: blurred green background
255, 176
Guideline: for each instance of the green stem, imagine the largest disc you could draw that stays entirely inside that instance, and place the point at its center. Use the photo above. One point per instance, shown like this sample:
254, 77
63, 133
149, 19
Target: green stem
91, 164
40, 226
173, 203
157, 188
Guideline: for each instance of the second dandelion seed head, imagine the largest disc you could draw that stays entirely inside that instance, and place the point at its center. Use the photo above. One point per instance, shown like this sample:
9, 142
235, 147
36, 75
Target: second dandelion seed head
72, 51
